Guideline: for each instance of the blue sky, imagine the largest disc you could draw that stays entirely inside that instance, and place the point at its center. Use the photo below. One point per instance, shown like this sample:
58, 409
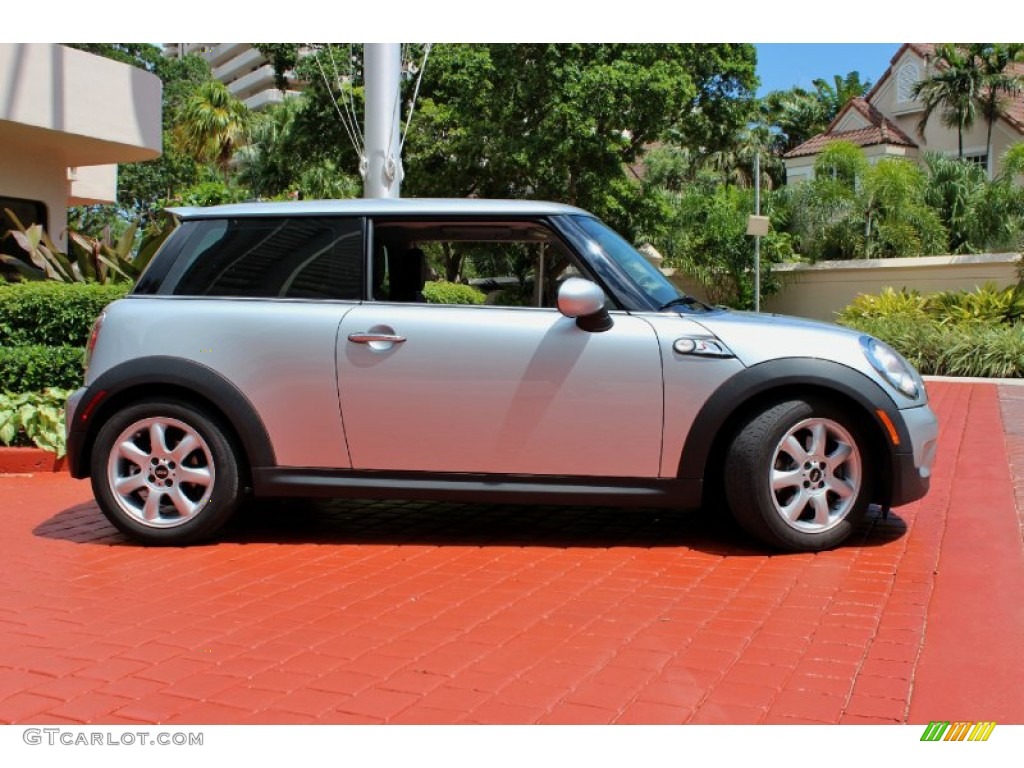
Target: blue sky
783, 65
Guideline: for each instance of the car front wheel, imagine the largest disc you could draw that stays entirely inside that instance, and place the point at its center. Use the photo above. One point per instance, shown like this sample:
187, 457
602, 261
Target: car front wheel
165, 473
797, 475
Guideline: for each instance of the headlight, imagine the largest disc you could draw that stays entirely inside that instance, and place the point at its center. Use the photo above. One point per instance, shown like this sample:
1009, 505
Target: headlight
891, 366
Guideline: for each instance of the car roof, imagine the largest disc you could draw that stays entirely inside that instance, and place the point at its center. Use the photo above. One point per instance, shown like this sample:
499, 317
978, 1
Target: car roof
408, 206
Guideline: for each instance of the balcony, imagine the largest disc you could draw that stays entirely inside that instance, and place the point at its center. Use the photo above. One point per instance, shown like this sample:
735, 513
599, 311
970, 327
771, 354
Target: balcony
90, 109
238, 66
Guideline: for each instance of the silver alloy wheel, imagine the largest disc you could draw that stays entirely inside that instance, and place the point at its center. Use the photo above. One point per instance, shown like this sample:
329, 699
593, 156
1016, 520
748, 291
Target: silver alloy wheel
815, 475
161, 472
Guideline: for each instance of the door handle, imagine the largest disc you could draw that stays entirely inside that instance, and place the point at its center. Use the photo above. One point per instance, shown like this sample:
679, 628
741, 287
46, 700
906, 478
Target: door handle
366, 337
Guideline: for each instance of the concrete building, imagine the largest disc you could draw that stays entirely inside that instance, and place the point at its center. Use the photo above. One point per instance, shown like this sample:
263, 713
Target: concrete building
246, 72
884, 122
66, 119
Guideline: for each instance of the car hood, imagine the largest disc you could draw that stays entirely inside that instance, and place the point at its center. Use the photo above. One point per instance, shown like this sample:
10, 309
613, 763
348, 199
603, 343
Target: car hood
755, 338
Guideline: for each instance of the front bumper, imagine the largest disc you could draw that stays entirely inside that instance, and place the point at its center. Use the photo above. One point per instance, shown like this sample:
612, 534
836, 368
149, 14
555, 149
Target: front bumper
912, 466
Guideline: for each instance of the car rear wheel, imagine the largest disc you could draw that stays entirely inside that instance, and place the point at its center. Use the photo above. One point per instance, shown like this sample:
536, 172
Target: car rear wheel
797, 475
165, 473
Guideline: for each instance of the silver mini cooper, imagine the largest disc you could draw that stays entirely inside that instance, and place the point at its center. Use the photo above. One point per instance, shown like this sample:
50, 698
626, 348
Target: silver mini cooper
298, 349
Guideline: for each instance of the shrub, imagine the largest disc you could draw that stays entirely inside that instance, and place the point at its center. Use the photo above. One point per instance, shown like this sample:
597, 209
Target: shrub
987, 304
950, 349
512, 296
888, 303
36, 367
52, 313
920, 340
34, 418
993, 352
451, 293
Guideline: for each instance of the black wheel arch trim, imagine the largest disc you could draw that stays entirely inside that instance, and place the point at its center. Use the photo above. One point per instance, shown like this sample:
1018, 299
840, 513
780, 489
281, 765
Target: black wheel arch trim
794, 374
168, 372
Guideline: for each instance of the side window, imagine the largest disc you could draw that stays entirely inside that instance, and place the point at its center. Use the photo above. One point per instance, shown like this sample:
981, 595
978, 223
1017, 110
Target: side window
500, 263
297, 258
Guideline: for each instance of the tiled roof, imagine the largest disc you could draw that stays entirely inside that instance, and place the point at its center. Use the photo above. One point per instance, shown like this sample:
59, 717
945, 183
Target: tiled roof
1014, 109
880, 131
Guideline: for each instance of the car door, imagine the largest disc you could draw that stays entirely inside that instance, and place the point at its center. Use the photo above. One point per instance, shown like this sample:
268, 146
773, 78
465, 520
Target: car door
483, 389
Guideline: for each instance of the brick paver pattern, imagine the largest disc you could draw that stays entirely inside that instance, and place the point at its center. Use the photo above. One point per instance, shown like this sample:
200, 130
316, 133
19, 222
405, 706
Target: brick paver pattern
355, 612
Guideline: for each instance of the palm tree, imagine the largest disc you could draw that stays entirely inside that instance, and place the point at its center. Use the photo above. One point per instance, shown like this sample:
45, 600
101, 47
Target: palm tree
953, 89
836, 94
734, 164
796, 114
998, 80
213, 124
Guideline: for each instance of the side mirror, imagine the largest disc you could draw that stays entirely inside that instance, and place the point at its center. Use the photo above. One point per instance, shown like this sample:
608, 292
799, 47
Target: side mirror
584, 301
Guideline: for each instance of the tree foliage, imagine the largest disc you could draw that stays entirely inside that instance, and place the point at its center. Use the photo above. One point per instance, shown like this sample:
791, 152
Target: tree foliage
702, 232
998, 80
795, 115
573, 118
852, 209
212, 125
142, 55
141, 185
978, 214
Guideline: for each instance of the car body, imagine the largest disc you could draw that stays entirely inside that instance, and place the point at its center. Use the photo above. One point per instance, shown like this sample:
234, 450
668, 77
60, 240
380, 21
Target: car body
284, 349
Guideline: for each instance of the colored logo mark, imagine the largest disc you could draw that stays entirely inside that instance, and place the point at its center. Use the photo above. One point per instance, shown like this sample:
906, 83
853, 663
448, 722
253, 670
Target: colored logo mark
938, 730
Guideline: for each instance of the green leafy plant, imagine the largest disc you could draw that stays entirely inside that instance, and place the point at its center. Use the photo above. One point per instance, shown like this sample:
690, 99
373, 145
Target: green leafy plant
988, 304
104, 260
50, 262
441, 292
36, 367
34, 418
890, 302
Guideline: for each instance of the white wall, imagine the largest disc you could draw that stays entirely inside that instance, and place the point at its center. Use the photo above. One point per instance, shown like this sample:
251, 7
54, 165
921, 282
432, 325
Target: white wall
820, 290
62, 108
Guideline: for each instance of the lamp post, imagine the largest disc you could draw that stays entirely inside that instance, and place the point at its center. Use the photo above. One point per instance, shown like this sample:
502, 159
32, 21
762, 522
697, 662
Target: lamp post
383, 72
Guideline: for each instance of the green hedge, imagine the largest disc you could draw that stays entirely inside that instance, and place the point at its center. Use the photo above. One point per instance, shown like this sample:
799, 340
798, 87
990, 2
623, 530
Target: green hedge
36, 367
451, 293
51, 313
975, 349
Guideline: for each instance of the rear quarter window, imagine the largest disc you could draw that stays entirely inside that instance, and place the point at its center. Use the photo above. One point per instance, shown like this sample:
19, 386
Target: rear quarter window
295, 258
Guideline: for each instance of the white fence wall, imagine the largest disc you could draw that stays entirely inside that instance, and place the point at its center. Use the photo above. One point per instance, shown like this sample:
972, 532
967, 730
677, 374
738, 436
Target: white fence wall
820, 290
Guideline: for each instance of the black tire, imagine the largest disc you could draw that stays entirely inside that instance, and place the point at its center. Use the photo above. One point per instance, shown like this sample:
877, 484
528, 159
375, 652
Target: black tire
192, 470
818, 461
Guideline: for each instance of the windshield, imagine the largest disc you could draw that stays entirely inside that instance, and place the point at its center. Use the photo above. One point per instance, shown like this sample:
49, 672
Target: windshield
647, 277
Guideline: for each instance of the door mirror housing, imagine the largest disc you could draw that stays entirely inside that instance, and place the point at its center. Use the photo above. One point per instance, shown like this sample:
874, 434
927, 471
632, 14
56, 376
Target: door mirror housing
585, 302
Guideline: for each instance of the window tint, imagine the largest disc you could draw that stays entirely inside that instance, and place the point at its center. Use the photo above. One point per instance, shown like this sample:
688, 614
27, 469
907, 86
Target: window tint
298, 258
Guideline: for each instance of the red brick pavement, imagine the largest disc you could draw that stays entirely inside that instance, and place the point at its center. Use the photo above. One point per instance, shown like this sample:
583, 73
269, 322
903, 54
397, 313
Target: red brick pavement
354, 612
